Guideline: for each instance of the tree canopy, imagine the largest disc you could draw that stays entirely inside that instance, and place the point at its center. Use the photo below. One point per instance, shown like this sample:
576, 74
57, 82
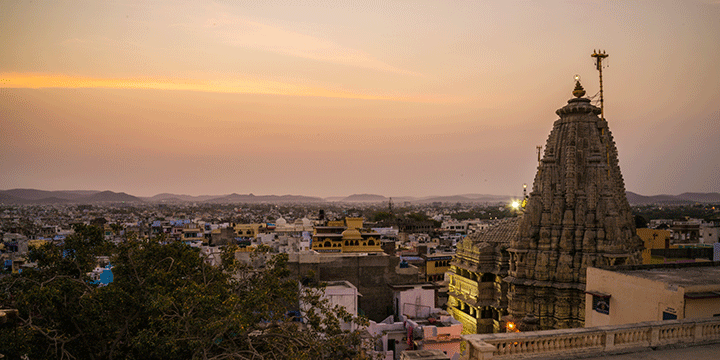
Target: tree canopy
165, 302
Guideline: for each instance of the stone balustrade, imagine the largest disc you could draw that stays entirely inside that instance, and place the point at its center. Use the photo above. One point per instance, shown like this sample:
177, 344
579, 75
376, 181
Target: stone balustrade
593, 341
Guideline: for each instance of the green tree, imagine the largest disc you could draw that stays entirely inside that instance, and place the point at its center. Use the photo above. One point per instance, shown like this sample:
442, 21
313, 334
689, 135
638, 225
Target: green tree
417, 216
165, 302
381, 216
640, 222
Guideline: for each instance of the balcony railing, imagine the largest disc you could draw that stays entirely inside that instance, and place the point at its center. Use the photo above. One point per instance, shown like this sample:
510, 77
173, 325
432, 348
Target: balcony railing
597, 340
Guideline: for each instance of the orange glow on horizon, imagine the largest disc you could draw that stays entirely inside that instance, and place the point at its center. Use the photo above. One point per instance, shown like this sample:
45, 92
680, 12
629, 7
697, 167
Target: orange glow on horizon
237, 86
244, 86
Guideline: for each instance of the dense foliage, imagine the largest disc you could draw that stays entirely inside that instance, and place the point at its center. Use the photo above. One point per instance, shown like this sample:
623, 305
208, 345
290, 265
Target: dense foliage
165, 302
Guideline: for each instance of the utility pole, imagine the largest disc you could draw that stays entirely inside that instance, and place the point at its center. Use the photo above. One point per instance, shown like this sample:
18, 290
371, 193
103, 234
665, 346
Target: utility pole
599, 56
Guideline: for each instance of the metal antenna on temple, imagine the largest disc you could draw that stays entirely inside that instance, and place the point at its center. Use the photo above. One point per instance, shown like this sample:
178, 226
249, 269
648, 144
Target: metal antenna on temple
599, 56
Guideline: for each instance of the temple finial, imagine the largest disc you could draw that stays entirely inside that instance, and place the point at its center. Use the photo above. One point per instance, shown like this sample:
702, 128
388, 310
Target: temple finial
579, 91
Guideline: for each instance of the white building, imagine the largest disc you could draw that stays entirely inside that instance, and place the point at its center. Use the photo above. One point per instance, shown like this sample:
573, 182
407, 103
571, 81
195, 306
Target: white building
345, 294
709, 233
340, 293
421, 326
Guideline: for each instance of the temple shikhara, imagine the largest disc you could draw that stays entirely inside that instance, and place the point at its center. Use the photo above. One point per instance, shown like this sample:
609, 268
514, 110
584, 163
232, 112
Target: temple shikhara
530, 271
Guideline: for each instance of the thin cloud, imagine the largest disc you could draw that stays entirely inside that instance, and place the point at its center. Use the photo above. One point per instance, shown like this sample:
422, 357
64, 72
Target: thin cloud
252, 34
240, 86
234, 86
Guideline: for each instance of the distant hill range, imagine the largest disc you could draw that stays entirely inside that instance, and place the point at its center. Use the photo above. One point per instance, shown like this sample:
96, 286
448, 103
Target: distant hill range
684, 198
465, 198
33, 196
171, 198
250, 198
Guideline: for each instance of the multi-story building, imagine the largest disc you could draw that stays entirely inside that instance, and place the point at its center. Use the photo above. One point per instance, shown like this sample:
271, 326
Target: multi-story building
686, 232
436, 265
477, 290
346, 236
249, 231
709, 233
193, 232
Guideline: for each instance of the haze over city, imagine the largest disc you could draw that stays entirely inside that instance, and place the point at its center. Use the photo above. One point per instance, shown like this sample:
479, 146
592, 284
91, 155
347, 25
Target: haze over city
328, 98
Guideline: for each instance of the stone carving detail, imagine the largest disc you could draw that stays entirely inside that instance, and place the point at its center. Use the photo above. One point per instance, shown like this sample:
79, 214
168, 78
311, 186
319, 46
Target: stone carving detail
577, 216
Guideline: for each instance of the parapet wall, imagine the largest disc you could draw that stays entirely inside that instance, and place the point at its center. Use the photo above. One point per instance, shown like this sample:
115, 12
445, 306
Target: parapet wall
597, 341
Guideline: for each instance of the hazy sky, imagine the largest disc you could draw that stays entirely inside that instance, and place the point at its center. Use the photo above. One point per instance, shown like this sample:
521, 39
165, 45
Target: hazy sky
323, 98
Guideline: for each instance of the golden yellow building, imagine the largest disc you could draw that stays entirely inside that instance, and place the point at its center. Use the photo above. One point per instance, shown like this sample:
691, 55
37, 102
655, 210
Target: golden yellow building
249, 230
477, 289
345, 236
36, 243
653, 239
436, 265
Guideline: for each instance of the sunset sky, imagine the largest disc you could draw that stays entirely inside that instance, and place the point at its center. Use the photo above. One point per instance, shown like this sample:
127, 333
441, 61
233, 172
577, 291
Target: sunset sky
331, 98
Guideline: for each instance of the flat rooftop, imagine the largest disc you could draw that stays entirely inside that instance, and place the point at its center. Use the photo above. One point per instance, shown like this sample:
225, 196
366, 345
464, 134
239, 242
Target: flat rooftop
684, 276
701, 352
339, 283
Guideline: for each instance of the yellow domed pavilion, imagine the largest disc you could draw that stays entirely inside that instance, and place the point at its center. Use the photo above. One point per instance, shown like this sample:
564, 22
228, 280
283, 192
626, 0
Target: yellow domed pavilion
345, 236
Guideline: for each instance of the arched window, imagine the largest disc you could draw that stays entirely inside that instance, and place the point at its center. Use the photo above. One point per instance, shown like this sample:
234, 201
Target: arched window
371, 242
347, 243
327, 244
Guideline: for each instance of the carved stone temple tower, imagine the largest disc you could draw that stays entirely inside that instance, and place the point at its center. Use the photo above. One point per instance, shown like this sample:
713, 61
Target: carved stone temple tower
576, 216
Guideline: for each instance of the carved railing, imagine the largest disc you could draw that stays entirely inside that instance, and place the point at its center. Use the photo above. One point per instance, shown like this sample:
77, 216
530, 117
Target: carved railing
597, 340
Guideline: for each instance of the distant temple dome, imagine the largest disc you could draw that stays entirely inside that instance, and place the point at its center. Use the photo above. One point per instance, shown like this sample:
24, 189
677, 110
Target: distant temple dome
351, 234
281, 222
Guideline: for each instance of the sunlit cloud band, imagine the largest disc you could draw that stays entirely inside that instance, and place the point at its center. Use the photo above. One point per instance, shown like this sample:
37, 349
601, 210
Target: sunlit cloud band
244, 86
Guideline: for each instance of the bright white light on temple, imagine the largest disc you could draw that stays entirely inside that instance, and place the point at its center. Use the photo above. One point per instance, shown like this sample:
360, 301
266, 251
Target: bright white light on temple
515, 204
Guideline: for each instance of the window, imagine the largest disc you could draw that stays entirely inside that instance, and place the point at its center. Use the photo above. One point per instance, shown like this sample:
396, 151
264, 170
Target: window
601, 304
